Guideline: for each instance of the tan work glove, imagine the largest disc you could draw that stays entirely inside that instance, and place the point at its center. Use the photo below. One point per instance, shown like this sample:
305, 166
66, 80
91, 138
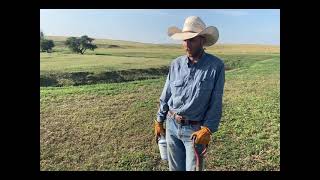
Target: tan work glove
158, 129
202, 136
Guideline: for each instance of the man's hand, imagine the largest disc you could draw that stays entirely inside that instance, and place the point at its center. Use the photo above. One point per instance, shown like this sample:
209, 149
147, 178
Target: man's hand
158, 129
202, 136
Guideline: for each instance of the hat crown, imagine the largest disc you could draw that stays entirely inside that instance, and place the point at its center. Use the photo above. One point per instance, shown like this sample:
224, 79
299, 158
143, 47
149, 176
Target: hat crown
194, 24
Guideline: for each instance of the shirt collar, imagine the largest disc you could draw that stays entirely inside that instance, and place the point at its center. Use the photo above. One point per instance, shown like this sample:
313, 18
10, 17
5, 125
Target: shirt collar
200, 61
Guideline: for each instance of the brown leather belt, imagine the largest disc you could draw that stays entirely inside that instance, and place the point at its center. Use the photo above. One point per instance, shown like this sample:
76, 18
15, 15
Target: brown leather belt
181, 120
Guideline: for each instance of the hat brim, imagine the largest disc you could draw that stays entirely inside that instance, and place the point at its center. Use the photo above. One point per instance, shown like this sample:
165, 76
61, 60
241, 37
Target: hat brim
210, 33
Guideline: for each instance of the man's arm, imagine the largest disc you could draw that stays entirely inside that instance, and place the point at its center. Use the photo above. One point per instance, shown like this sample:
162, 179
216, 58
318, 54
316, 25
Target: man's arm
214, 111
164, 98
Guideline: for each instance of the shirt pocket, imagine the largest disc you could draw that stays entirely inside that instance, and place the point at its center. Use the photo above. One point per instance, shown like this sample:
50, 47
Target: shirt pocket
177, 86
205, 85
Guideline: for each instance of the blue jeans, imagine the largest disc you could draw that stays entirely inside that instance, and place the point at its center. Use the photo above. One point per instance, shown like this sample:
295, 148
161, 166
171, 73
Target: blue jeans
181, 155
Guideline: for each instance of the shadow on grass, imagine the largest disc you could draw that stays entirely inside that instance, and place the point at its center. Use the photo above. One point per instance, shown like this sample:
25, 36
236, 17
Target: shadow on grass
83, 78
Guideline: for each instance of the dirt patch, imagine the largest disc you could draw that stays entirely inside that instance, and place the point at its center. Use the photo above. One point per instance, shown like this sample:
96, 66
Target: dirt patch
113, 46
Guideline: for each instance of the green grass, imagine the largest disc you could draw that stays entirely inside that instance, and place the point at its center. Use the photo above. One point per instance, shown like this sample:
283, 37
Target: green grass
61, 69
96, 63
110, 126
128, 61
101, 130
249, 134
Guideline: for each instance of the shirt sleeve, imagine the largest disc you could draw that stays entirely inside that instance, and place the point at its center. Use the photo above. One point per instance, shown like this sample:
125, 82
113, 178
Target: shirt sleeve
164, 98
214, 111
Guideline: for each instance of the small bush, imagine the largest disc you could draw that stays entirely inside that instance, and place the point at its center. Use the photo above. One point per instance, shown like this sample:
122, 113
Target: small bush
46, 45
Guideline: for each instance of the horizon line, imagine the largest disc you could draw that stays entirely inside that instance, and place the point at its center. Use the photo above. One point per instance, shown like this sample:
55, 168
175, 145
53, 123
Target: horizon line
218, 43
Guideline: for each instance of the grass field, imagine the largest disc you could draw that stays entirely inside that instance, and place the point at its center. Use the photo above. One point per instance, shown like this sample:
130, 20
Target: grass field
109, 126
127, 61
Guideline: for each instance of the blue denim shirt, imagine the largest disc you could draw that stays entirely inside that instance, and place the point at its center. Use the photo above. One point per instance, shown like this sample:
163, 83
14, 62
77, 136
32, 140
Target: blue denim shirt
194, 90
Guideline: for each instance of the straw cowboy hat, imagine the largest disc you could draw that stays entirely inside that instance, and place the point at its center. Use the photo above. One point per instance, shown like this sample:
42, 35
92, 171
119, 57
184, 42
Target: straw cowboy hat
194, 26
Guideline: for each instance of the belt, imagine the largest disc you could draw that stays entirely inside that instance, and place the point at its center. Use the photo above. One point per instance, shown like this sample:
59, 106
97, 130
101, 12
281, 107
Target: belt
181, 120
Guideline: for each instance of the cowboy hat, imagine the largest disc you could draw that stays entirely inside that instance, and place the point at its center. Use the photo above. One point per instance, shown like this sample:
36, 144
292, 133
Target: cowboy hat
194, 26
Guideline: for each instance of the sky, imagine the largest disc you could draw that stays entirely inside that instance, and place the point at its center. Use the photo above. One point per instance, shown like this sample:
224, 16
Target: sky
236, 26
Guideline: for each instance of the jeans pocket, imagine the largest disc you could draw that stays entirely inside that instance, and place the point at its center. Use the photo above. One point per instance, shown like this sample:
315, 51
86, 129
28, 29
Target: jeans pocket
169, 122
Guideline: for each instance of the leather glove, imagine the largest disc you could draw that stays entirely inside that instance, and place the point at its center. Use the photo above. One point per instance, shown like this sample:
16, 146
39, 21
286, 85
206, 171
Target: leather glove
158, 129
202, 136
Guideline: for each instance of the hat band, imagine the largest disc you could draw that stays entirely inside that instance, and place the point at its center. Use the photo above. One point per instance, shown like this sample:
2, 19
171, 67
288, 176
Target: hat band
193, 29
190, 31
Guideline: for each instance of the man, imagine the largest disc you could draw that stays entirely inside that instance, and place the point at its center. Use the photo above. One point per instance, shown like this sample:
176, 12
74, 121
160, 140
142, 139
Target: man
191, 100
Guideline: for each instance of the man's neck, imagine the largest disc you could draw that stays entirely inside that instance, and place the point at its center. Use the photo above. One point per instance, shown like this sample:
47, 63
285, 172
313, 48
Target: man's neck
195, 59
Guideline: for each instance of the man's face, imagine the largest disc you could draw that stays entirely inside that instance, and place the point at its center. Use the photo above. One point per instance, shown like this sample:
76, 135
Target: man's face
193, 46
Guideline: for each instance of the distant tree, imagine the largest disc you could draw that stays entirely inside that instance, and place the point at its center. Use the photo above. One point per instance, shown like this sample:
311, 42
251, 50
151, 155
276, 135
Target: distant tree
41, 35
80, 45
46, 45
